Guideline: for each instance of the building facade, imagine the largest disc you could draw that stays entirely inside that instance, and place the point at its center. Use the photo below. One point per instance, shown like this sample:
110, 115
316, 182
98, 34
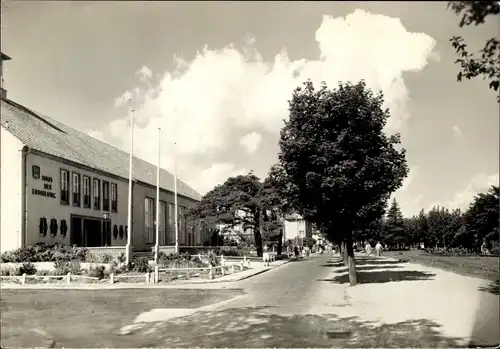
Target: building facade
296, 228
59, 185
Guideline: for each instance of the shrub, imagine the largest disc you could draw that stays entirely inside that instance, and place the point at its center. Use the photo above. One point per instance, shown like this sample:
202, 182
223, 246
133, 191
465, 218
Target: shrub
41, 252
122, 258
9, 271
27, 268
106, 258
141, 265
97, 271
64, 267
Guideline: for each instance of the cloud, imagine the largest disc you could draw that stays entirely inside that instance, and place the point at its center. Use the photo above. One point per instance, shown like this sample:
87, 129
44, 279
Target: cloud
217, 174
209, 103
457, 132
144, 73
121, 100
418, 199
478, 184
251, 141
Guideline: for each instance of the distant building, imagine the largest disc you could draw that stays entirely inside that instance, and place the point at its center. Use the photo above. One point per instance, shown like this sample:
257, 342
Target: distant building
59, 185
296, 228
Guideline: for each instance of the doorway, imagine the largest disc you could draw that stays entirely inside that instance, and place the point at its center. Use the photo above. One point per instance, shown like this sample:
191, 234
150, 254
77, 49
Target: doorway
92, 230
76, 232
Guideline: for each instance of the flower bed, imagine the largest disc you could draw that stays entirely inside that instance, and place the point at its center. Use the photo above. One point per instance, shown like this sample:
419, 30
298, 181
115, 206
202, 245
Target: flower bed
60, 264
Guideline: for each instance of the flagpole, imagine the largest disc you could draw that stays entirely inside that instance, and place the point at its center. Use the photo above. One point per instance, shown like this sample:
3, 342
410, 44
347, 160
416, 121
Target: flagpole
175, 204
128, 249
157, 245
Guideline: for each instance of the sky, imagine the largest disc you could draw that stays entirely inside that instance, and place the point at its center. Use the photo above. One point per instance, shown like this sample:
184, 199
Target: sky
216, 78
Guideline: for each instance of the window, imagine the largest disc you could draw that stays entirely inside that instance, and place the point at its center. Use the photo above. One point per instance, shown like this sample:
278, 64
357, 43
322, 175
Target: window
76, 189
171, 224
105, 196
97, 194
114, 197
162, 217
64, 187
149, 217
86, 191
182, 225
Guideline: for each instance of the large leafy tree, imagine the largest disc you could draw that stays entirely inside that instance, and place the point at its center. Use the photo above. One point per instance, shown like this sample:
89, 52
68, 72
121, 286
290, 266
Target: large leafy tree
236, 202
482, 217
486, 62
340, 166
247, 202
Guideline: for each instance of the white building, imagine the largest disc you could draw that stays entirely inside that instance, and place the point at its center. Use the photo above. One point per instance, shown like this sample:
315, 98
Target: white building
296, 228
59, 185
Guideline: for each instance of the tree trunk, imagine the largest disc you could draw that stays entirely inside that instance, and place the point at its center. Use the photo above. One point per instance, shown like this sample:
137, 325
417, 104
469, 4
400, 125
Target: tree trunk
257, 234
280, 242
351, 263
344, 252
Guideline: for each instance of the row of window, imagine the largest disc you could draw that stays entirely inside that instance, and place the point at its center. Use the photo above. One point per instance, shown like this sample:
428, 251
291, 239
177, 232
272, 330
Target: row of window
166, 219
93, 192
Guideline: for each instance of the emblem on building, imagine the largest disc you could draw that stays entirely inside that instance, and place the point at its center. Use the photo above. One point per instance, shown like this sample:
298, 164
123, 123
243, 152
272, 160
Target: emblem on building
35, 170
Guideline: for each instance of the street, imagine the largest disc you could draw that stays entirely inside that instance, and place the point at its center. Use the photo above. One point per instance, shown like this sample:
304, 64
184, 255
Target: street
298, 305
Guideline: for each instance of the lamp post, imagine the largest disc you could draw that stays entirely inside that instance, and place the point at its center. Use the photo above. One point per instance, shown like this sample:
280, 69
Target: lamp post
128, 249
175, 204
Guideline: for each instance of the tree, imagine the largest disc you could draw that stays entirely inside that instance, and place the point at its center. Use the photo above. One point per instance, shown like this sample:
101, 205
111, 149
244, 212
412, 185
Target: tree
247, 202
486, 62
395, 232
482, 217
234, 203
339, 166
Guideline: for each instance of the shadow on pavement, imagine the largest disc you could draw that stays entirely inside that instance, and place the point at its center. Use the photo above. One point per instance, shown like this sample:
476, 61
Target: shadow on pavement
375, 277
261, 327
368, 267
492, 288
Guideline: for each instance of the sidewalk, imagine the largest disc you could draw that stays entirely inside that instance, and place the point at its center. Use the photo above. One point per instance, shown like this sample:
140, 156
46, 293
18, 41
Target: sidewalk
256, 268
390, 292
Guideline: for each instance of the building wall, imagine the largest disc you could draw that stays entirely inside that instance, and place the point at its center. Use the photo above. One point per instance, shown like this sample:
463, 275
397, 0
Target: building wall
11, 205
140, 241
296, 228
50, 206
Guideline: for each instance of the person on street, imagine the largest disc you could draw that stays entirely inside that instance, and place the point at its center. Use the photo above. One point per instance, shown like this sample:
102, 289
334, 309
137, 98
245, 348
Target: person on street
378, 248
368, 249
296, 251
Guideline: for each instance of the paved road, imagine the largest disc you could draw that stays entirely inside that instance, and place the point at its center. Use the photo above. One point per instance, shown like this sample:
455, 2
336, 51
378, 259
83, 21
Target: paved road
296, 305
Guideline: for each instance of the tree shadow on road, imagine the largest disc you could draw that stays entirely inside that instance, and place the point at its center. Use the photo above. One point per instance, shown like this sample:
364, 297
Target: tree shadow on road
260, 327
492, 288
376, 277
364, 261
368, 267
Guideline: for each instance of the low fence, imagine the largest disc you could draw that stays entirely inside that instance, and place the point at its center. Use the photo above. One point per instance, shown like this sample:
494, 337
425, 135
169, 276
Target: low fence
152, 277
68, 277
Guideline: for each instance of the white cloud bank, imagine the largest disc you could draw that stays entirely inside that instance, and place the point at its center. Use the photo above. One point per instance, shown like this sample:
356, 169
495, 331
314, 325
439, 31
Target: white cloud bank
480, 183
251, 142
457, 132
207, 104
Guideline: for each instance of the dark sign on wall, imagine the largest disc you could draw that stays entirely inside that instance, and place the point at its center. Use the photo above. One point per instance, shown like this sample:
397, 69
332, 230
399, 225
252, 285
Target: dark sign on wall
47, 185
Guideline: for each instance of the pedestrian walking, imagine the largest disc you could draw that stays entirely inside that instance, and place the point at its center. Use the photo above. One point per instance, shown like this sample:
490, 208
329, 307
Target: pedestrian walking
379, 248
368, 249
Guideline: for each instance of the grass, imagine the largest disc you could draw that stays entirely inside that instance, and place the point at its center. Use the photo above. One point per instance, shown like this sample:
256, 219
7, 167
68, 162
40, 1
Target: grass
477, 266
88, 318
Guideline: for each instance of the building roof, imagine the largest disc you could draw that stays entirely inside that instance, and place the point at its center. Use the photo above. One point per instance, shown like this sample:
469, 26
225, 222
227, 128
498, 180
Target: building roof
49, 136
4, 56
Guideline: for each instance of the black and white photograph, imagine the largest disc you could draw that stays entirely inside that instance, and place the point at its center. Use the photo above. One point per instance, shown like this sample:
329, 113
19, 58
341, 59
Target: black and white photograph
249, 174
